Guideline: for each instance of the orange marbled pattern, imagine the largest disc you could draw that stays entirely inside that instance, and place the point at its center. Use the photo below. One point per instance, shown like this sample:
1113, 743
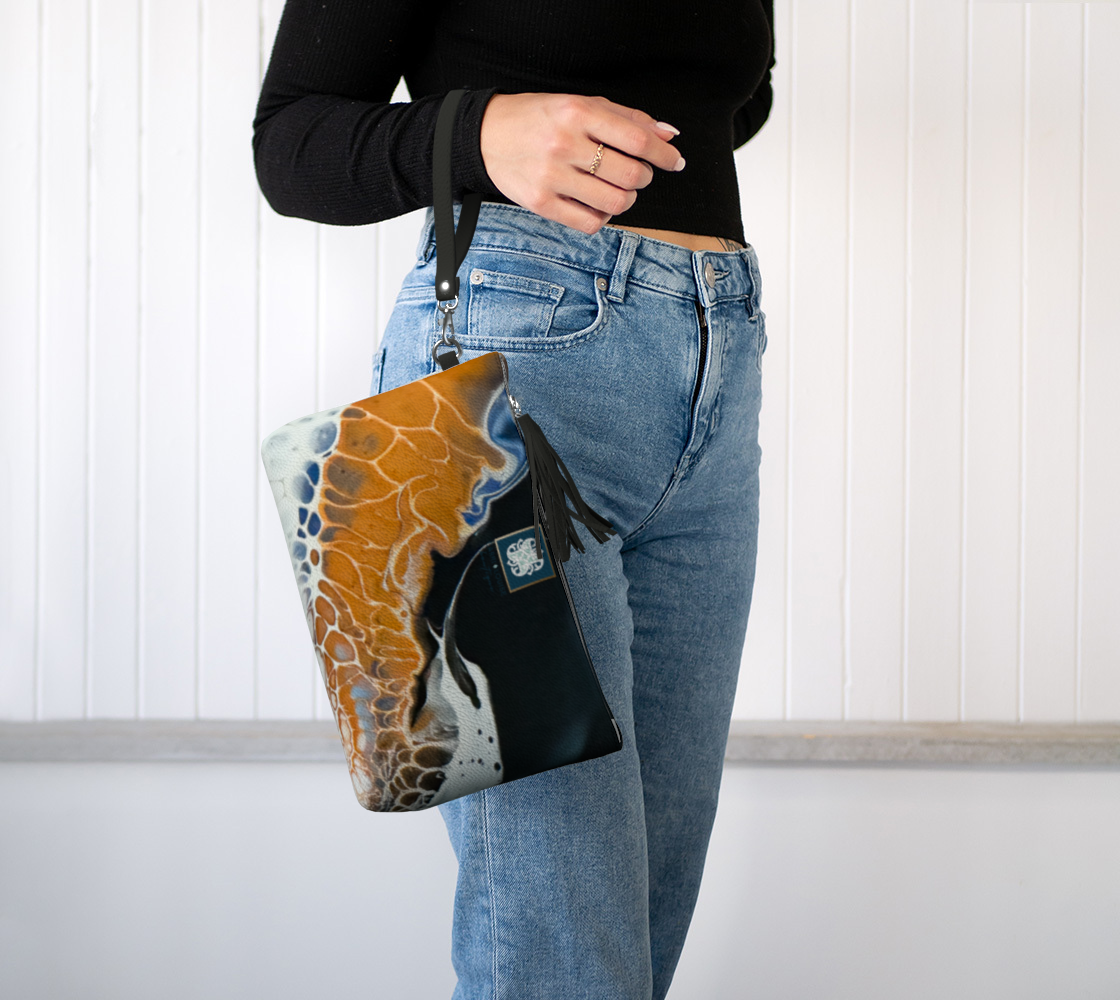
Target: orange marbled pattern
390, 502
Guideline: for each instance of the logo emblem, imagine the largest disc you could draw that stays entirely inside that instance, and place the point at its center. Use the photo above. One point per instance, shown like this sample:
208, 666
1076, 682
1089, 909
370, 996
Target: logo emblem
521, 566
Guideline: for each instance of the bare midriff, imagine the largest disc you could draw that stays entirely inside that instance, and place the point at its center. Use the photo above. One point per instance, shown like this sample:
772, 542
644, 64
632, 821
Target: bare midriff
689, 240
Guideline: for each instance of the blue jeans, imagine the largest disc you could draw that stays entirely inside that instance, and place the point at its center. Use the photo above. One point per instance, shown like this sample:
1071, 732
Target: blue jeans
579, 883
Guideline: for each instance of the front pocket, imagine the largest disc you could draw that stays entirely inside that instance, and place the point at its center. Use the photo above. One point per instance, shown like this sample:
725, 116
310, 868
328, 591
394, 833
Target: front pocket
512, 312
513, 306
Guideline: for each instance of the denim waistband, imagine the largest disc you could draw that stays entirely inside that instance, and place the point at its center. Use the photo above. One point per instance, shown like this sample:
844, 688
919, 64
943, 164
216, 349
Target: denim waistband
710, 275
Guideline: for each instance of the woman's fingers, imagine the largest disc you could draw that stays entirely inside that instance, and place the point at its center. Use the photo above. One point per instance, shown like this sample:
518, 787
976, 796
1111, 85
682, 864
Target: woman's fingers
635, 114
574, 214
612, 189
539, 147
627, 130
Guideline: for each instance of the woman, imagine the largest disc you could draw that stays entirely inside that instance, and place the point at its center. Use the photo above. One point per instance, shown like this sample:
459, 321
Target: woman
644, 372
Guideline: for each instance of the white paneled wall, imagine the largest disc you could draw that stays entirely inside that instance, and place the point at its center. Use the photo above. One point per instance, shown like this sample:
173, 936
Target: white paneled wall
934, 202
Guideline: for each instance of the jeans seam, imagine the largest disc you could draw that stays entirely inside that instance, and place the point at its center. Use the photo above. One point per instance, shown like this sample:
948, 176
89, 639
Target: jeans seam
380, 370
713, 418
674, 481
490, 890
759, 340
678, 475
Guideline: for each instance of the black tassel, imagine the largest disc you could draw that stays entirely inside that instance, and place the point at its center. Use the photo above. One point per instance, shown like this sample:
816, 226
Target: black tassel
552, 480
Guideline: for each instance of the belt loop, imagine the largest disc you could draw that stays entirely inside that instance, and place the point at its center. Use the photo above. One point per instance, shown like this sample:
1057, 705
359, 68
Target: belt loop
703, 289
626, 250
426, 243
756, 278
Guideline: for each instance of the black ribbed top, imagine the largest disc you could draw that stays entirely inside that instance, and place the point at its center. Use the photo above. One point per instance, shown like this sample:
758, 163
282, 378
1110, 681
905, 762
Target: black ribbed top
329, 147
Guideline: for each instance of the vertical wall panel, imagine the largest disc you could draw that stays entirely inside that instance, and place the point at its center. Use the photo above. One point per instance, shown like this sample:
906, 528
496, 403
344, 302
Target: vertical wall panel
818, 362
230, 472
875, 493
114, 211
63, 473
1100, 465
1052, 369
20, 241
169, 361
991, 368
931, 669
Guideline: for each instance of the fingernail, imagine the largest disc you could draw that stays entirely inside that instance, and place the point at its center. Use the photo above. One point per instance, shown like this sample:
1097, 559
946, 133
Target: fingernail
680, 164
675, 131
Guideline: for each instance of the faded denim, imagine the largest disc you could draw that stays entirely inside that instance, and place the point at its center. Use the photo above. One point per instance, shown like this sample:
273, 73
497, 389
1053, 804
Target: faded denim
579, 883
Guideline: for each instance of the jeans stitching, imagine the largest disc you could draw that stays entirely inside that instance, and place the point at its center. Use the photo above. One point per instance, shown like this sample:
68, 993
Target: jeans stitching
539, 342
674, 480
490, 889
713, 420
759, 339
380, 371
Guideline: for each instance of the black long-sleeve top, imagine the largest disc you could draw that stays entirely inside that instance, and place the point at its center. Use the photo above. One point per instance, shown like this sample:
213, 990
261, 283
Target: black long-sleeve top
329, 147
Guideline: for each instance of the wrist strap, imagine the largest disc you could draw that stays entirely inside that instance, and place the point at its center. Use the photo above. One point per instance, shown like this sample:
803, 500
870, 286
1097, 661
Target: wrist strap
451, 246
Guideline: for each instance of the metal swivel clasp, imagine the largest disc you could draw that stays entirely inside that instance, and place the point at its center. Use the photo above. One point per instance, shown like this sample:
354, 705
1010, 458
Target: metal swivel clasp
447, 329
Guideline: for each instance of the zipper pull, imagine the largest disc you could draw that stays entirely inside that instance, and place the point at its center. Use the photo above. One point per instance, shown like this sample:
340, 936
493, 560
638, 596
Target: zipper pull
513, 403
701, 313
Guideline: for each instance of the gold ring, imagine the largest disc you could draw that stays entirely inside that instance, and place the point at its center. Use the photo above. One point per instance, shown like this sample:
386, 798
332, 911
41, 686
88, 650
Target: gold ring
598, 158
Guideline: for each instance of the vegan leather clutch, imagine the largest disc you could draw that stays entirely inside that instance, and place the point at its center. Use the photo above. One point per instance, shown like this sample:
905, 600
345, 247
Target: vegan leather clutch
427, 528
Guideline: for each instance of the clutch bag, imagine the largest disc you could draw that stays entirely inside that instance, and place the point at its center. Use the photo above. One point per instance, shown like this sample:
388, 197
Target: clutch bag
427, 528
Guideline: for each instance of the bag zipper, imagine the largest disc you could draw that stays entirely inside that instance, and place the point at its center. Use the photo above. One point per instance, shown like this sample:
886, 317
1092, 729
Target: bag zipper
700, 312
515, 407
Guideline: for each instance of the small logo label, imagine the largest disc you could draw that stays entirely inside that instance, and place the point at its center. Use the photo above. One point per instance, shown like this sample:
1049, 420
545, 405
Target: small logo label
521, 565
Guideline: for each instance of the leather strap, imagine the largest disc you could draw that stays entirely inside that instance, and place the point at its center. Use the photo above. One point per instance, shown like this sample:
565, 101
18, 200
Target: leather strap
451, 245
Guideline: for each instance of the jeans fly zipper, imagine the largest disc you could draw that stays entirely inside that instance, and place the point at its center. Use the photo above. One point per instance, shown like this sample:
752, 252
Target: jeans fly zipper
700, 312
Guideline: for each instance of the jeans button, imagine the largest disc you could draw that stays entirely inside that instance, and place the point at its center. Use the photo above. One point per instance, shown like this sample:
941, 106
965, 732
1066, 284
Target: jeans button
709, 274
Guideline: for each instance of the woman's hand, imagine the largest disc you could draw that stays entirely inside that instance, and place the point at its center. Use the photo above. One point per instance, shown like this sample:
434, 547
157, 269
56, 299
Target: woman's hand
538, 149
